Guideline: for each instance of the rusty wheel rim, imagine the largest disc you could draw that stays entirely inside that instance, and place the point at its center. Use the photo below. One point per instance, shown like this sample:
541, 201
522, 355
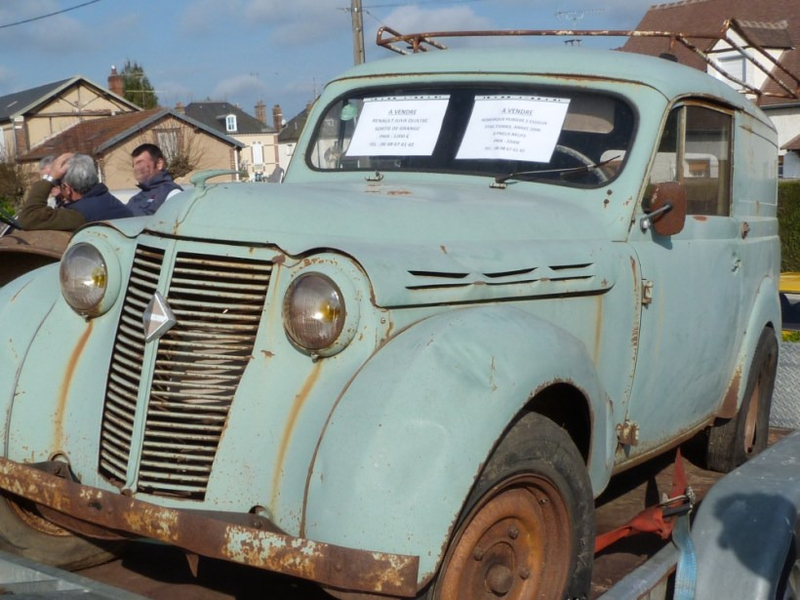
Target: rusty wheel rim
514, 545
30, 516
751, 419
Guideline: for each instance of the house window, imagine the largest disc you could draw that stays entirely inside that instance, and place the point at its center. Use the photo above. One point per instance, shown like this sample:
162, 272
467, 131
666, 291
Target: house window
230, 123
735, 66
258, 153
695, 150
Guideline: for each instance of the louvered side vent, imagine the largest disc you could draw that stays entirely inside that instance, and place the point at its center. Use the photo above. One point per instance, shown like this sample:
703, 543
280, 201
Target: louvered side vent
126, 366
218, 304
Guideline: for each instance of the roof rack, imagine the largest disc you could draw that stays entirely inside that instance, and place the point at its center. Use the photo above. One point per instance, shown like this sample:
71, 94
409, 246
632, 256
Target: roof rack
413, 43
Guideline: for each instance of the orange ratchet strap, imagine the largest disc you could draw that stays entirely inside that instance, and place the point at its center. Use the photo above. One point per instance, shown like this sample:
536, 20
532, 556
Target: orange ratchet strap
658, 519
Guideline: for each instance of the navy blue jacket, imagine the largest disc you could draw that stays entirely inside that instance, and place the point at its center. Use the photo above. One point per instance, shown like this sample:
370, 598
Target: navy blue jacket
99, 205
154, 191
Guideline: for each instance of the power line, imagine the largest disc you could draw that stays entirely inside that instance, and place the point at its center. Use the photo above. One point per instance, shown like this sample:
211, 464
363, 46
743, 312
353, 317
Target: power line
52, 14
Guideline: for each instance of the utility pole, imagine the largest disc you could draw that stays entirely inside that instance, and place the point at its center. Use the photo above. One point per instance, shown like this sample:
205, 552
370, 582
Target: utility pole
358, 31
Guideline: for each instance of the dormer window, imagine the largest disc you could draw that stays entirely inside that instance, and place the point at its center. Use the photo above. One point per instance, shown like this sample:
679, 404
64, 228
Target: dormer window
230, 123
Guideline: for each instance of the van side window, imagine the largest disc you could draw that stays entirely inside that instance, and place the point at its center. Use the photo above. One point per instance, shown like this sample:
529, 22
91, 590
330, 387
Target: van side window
698, 139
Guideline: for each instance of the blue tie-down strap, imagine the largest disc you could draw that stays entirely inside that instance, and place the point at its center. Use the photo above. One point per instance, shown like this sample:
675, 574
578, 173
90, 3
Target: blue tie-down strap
686, 574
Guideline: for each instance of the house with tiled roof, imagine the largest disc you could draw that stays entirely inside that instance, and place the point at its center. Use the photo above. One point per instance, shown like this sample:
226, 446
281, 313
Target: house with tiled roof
187, 144
29, 117
259, 156
767, 30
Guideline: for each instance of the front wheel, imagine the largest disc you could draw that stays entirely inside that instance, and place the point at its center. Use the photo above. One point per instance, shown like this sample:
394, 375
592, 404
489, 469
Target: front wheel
527, 530
24, 532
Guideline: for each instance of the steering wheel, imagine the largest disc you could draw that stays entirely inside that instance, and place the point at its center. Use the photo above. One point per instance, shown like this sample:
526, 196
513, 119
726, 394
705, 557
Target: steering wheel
579, 156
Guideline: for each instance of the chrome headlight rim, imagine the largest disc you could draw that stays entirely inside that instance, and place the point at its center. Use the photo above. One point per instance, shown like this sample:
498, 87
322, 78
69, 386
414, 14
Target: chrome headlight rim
331, 317
89, 276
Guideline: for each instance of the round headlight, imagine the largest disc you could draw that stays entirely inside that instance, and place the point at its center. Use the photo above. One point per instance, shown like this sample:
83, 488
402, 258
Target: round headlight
84, 278
313, 312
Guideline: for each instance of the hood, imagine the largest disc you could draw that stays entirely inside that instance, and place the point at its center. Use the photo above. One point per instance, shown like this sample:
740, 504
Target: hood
423, 237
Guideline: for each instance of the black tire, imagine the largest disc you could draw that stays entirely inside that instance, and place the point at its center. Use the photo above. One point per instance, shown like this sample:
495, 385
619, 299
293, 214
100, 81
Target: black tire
25, 533
527, 529
736, 440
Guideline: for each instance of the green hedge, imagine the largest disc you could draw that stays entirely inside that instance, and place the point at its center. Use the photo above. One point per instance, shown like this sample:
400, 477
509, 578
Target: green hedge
789, 224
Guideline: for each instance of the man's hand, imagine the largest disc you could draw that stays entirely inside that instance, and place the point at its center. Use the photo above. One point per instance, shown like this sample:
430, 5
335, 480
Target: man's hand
59, 166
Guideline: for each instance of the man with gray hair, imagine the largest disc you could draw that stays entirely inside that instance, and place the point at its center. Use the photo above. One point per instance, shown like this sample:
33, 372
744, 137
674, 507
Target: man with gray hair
84, 198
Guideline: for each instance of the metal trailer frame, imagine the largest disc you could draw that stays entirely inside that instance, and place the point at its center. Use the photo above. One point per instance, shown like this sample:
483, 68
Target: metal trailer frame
28, 580
746, 535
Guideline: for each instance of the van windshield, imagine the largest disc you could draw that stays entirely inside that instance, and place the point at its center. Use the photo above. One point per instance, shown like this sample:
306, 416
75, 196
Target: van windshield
561, 136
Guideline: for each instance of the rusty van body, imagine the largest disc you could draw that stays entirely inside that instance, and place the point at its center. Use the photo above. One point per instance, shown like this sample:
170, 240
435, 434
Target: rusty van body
490, 281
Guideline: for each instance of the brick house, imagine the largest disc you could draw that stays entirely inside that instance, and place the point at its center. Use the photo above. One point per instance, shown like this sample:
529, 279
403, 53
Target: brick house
259, 140
768, 30
29, 117
184, 141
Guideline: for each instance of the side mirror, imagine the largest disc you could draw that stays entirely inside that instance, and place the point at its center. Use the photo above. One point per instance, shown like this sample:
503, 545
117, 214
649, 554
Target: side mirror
666, 212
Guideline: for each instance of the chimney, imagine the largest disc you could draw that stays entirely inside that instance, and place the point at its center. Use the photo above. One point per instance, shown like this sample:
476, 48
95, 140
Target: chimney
179, 108
277, 117
115, 82
261, 111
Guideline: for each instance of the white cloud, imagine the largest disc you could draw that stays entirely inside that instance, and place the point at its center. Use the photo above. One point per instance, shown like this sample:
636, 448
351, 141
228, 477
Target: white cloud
6, 76
60, 33
203, 16
238, 85
413, 19
299, 22
170, 92
280, 11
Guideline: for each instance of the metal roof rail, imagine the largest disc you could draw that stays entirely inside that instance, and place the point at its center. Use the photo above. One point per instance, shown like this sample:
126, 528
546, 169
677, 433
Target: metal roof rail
422, 42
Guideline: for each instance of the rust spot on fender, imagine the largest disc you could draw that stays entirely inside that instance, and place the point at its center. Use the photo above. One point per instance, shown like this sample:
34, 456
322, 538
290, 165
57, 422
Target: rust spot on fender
291, 421
267, 353
700, 217
729, 404
443, 249
399, 193
598, 329
66, 383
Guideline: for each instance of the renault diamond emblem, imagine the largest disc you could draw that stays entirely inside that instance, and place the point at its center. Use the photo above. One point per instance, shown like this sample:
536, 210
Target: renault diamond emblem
158, 318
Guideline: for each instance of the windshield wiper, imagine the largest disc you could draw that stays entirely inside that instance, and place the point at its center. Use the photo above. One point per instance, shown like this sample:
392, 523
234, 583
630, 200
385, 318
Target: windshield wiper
500, 180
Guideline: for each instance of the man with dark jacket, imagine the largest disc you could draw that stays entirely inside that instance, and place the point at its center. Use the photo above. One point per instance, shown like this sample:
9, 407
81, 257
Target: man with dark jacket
156, 184
84, 198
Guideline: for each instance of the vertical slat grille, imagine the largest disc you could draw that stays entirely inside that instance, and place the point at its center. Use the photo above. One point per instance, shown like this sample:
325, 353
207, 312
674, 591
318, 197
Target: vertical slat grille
126, 366
217, 304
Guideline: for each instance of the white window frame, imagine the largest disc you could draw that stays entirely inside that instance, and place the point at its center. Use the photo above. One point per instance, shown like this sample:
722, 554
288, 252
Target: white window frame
230, 123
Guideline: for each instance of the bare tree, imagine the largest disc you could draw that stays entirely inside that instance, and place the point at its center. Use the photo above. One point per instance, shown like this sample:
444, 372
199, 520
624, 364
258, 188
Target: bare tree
180, 148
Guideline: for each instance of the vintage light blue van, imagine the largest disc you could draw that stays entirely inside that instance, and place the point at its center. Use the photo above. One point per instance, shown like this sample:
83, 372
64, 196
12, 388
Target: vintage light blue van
491, 280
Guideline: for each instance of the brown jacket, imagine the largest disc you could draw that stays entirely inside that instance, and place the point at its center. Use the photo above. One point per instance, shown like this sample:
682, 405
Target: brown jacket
35, 214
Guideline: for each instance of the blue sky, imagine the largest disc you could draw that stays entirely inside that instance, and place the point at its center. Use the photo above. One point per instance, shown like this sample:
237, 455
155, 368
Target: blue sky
243, 51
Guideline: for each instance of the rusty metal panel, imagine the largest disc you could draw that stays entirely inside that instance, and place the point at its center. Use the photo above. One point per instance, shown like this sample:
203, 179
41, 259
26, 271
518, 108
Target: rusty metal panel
345, 568
23, 251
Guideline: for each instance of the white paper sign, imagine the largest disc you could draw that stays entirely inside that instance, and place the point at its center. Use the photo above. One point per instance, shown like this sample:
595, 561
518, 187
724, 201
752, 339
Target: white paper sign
407, 126
514, 128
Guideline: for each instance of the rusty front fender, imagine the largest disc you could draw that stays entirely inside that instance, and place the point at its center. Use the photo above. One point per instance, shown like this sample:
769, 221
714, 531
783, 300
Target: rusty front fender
335, 566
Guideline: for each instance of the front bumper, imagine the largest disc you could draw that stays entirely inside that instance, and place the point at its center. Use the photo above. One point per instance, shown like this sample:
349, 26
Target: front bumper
254, 542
